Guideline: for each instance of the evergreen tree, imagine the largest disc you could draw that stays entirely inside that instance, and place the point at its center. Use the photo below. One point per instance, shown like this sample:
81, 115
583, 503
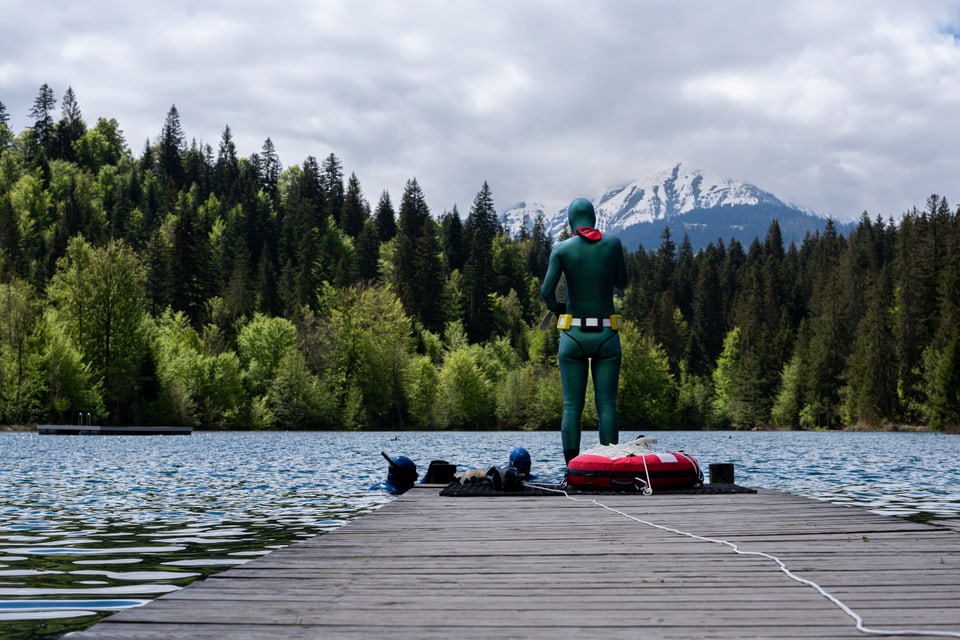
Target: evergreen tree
385, 218
944, 383
921, 253
368, 253
539, 247
191, 266
871, 394
948, 287
452, 239
269, 168
198, 169
417, 262
666, 262
331, 182
41, 112
11, 252
478, 274
226, 170
20, 384
70, 128
706, 325
302, 229
171, 148
355, 210
684, 277
826, 353
6, 135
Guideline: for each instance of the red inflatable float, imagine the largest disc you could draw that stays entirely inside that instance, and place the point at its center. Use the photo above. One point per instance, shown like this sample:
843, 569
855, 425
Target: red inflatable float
633, 466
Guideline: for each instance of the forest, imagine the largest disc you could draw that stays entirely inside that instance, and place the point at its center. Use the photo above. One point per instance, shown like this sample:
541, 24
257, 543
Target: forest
189, 286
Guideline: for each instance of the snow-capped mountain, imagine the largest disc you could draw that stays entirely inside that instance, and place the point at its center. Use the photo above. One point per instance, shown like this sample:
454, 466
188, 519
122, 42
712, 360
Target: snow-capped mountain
522, 215
704, 208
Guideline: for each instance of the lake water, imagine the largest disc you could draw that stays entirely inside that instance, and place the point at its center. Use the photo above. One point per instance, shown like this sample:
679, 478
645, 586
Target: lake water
95, 524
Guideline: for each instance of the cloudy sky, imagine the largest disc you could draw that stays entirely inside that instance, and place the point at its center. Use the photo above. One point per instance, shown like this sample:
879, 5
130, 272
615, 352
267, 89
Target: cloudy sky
840, 107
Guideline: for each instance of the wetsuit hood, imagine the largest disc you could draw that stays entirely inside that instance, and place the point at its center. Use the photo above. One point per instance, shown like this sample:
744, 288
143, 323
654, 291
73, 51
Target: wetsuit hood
580, 213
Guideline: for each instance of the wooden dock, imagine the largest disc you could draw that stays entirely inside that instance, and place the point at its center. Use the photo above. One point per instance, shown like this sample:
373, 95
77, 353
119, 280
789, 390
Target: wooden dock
426, 566
106, 430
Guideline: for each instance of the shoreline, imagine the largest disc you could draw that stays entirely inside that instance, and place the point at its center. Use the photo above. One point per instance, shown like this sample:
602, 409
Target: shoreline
891, 428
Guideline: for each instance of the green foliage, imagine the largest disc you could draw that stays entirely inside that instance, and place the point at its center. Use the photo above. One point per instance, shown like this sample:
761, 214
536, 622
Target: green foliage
368, 342
296, 398
788, 404
421, 381
465, 397
99, 299
262, 345
20, 383
69, 385
943, 383
647, 394
725, 379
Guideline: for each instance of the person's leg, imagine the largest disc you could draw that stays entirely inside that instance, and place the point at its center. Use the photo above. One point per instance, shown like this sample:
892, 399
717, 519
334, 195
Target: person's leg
573, 378
605, 366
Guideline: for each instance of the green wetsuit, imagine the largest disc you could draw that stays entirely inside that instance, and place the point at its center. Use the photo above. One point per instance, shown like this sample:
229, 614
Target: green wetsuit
592, 266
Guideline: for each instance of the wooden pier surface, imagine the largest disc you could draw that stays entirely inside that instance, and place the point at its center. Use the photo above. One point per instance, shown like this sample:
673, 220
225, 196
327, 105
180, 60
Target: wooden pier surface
426, 566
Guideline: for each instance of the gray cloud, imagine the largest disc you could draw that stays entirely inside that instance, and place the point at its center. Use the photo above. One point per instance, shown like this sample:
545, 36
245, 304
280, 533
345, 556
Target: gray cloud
840, 107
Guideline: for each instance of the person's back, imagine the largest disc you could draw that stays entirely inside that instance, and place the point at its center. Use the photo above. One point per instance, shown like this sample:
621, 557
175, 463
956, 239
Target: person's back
593, 266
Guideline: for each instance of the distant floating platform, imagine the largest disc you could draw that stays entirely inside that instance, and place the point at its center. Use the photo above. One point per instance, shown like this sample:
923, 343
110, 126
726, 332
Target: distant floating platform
88, 430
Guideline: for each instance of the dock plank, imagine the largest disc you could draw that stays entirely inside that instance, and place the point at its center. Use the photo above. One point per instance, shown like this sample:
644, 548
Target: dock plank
426, 566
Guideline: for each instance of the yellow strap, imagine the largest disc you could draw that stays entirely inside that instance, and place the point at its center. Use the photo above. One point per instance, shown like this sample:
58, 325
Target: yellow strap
565, 321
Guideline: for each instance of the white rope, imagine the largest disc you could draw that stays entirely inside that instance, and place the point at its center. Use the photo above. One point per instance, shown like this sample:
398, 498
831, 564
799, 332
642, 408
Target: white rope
783, 567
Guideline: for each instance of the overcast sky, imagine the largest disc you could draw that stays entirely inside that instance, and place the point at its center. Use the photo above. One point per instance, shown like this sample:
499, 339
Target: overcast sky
838, 106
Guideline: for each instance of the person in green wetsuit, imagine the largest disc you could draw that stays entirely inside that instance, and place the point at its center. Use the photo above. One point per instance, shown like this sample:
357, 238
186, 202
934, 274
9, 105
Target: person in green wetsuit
593, 266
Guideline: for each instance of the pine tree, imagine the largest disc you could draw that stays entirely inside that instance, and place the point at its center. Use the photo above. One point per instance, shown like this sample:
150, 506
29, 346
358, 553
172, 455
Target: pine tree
191, 266
831, 338
451, 237
538, 248
331, 182
198, 168
41, 112
706, 325
666, 262
70, 128
921, 252
413, 215
478, 275
368, 253
226, 170
684, 277
871, 394
418, 267
355, 210
385, 218
11, 253
6, 135
944, 374
270, 168
171, 148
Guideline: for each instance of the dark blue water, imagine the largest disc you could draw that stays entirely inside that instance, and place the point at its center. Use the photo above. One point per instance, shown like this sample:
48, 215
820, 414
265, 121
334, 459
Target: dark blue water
94, 524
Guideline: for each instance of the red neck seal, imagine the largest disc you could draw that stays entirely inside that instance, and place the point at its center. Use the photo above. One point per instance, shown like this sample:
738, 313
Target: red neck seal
588, 233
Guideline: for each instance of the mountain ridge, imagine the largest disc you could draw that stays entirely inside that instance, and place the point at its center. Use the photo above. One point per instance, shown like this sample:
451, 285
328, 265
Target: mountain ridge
704, 208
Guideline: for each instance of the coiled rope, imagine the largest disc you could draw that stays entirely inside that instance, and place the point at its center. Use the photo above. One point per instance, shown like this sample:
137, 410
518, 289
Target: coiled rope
858, 619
